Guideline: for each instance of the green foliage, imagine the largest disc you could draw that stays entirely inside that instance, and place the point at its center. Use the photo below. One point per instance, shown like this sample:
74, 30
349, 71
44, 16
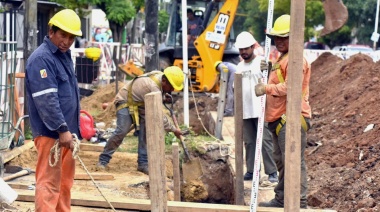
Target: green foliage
121, 12
338, 38
28, 134
163, 21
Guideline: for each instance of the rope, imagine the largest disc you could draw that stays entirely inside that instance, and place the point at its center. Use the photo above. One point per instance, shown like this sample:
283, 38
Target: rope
55, 150
204, 127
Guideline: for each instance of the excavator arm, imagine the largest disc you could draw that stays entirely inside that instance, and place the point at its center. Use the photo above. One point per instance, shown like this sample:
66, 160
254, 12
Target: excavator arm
210, 45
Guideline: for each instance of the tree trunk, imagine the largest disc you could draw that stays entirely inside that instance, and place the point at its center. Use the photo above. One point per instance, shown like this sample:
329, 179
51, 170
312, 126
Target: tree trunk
151, 35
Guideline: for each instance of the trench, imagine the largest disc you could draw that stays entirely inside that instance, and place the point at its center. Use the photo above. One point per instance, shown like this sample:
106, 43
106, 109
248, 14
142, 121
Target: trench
216, 185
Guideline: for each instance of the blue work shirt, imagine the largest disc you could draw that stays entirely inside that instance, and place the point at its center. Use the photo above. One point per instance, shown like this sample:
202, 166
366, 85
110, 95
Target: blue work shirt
52, 92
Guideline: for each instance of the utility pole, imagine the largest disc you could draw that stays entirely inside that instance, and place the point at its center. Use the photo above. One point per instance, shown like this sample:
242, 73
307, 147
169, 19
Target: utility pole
151, 35
30, 42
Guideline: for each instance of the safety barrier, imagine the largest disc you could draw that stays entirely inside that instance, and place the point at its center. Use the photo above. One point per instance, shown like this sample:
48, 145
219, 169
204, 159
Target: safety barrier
312, 55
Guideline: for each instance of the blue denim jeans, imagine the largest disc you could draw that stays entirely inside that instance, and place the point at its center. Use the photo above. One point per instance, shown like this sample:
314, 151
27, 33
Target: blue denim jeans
142, 157
123, 123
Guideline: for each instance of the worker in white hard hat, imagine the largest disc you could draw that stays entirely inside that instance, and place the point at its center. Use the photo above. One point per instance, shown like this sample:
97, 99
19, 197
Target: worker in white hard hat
53, 105
251, 73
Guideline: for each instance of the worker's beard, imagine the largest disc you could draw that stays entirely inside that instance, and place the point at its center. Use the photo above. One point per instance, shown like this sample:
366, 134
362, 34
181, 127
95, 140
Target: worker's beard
247, 56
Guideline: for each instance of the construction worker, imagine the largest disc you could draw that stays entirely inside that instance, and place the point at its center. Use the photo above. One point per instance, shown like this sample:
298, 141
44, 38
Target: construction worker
193, 23
53, 104
130, 110
251, 73
276, 91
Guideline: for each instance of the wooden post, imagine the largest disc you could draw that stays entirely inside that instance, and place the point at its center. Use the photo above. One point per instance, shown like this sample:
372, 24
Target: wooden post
30, 41
176, 172
293, 107
238, 96
155, 140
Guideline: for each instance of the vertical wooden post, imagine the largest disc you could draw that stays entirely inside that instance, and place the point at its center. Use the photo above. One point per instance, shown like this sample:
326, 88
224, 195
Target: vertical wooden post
239, 167
176, 172
30, 41
293, 107
155, 139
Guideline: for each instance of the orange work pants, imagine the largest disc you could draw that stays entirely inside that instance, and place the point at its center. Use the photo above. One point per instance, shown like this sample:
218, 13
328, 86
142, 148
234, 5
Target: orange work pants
53, 184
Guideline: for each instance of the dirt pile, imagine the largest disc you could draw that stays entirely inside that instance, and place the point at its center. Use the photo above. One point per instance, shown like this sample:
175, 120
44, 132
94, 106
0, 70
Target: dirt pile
344, 99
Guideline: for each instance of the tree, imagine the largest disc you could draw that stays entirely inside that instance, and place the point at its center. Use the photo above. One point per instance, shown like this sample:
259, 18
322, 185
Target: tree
163, 21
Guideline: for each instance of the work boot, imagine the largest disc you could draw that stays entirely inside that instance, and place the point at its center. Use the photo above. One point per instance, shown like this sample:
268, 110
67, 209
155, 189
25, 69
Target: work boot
272, 203
143, 168
136, 133
273, 178
303, 205
101, 167
248, 176
228, 114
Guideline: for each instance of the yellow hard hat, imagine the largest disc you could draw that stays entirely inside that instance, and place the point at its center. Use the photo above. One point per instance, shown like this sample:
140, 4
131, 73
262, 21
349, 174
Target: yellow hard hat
93, 53
68, 21
281, 27
175, 77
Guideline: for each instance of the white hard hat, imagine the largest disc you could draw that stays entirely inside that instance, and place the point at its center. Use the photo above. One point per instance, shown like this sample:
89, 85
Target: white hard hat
244, 40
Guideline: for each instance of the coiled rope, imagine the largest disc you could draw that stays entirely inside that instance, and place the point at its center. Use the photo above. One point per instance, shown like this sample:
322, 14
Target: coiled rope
56, 152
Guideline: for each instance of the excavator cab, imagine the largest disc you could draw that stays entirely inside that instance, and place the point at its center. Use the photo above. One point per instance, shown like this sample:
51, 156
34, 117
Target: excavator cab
214, 41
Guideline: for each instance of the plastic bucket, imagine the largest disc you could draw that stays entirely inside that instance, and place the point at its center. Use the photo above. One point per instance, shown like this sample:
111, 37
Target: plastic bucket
7, 194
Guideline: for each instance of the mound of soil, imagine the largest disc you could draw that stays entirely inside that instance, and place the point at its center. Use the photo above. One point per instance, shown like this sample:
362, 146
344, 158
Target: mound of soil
344, 99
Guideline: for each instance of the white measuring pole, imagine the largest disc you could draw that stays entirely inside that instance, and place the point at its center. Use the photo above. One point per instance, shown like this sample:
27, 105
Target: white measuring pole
186, 117
260, 126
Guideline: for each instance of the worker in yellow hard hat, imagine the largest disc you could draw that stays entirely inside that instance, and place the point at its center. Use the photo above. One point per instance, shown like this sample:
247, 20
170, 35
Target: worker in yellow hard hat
53, 104
276, 91
130, 110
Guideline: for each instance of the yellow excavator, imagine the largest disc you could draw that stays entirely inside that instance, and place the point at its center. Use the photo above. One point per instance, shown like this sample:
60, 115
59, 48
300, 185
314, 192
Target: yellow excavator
216, 38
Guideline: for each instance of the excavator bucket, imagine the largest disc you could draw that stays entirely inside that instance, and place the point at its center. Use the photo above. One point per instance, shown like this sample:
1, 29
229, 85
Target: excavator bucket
131, 69
336, 15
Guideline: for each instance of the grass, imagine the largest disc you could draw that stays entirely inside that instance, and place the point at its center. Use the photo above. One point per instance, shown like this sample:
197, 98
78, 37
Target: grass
192, 141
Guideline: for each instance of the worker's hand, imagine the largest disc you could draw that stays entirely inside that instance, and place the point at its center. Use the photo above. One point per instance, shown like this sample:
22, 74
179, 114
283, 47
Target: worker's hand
265, 66
260, 88
177, 133
66, 140
168, 98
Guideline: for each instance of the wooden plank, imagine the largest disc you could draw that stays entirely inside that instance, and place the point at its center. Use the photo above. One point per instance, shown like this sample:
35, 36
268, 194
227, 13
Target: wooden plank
144, 205
20, 75
239, 161
19, 186
9, 155
155, 140
293, 107
91, 147
176, 172
96, 176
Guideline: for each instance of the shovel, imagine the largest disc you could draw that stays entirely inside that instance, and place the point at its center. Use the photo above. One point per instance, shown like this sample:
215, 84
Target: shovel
18, 174
192, 168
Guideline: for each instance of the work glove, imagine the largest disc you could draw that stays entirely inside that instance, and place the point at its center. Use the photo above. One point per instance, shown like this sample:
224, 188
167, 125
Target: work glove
265, 66
260, 88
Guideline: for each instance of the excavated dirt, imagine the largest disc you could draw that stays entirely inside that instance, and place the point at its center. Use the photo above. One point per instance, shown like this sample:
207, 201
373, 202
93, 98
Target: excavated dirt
343, 172
342, 156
